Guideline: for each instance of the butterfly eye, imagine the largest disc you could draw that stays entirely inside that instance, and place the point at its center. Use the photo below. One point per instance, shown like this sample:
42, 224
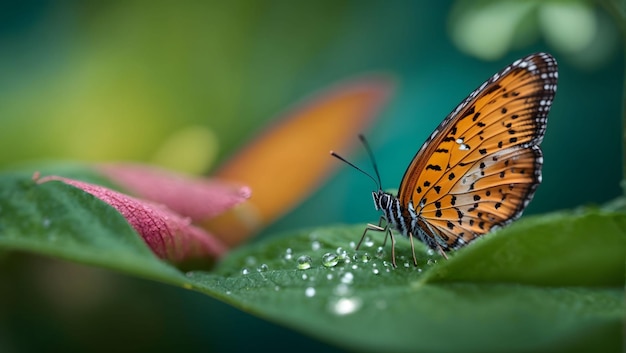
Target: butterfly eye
375, 196
384, 201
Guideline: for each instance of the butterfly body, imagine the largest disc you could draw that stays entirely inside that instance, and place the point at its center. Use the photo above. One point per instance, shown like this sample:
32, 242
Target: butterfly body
481, 166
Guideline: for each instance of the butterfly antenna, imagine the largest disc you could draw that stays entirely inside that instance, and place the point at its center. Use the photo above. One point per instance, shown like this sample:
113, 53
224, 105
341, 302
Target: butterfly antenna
371, 154
332, 153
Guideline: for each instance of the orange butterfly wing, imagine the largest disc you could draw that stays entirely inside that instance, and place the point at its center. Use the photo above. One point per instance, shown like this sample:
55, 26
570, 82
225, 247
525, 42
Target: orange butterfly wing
481, 166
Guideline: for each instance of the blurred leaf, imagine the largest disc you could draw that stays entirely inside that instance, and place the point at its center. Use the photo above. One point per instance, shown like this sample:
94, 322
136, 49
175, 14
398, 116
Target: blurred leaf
488, 29
551, 283
192, 149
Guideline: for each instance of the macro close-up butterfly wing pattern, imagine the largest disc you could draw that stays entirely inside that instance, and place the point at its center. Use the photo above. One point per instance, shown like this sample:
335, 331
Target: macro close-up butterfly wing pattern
481, 166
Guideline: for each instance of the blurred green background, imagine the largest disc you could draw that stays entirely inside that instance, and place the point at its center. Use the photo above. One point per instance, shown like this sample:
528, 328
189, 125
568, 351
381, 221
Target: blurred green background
153, 82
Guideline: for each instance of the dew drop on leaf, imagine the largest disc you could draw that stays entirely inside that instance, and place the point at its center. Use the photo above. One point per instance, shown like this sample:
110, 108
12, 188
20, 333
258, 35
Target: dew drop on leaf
345, 306
347, 278
342, 289
304, 262
364, 257
288, 254
330, 260
380, 252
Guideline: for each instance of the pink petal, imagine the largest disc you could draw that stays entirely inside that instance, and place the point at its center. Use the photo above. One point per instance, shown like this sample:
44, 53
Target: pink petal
197, 198
170, 236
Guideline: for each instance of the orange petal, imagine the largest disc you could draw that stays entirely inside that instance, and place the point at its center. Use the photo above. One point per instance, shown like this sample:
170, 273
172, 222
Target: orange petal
286, 163
170, 236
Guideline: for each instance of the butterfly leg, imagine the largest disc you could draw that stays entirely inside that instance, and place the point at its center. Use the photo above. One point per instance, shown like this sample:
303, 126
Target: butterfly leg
388, 233
378, 228
412, 249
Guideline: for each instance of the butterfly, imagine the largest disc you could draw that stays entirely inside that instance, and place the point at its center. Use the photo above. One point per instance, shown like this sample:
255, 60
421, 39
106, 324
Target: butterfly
481, 166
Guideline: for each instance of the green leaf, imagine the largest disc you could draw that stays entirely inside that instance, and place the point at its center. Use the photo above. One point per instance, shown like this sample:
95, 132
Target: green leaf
59, 220
549, 283
560, 249
522, 303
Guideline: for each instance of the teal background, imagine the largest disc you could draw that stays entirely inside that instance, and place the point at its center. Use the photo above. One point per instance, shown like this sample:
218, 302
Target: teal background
142, 70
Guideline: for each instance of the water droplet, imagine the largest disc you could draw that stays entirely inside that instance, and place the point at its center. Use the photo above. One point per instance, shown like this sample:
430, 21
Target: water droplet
368, 242
430, 252
46, 222
250, 260
277, 288
263, 268
342, 289
228, 292
355, 267
345, 306
406, 264
245, 271
431, 262
329, 276
288, 254
352, 245
375, 271
330, 260
364, 257
347, 278
419, 270
304, 262
380, 252
309, 292
304, 276
315, 245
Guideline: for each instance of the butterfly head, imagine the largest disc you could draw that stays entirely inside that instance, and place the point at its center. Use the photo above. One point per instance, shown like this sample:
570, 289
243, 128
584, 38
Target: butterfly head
382, 200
